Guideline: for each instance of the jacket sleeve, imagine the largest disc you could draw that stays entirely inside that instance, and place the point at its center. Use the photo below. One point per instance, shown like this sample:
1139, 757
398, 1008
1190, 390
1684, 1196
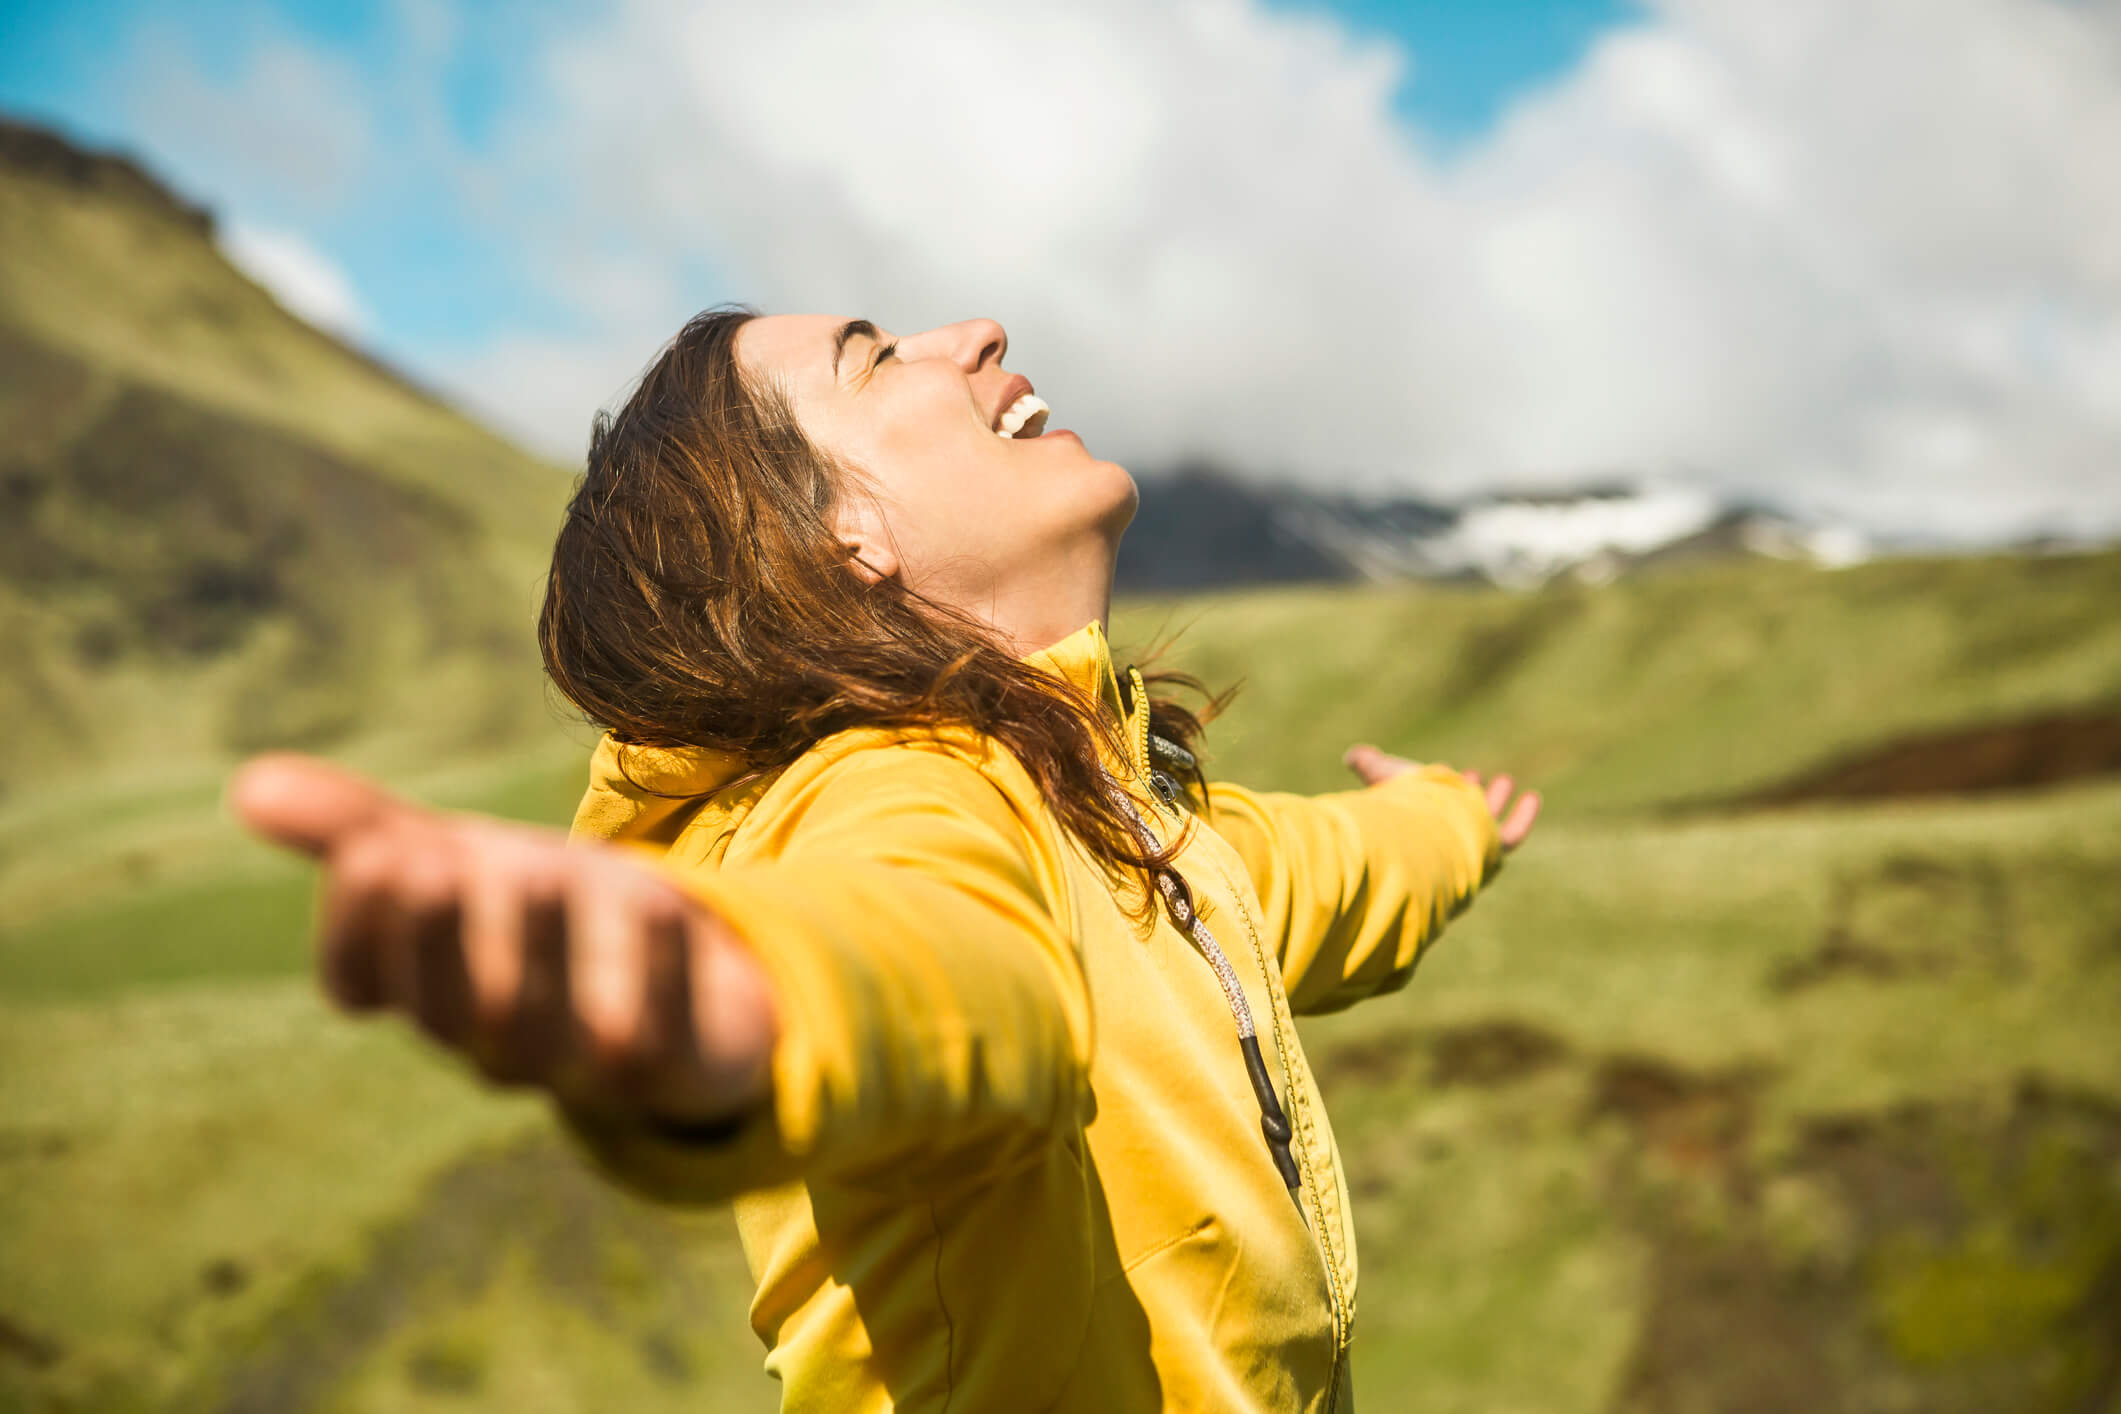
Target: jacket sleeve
1355, 884
934, 1017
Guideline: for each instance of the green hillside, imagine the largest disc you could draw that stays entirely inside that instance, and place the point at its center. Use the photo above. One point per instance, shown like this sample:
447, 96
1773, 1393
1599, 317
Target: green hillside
220, 529
1683, 686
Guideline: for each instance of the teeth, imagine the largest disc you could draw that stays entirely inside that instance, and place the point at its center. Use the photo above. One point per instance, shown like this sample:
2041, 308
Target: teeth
1026, 417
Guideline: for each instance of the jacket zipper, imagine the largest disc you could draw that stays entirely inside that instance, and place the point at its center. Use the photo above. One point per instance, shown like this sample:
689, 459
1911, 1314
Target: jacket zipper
1145, 773
1342, 1317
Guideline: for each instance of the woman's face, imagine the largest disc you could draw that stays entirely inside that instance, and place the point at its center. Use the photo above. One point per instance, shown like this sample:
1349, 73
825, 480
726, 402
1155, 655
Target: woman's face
1001, 526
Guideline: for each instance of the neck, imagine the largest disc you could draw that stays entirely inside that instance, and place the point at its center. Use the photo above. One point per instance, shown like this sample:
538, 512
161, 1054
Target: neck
1037, 610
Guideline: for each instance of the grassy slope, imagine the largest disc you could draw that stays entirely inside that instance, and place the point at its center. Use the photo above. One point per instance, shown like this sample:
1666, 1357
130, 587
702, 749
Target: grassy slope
222, 530
1683, 685
1514, 1221
215, 1188
1686, 685
143, 296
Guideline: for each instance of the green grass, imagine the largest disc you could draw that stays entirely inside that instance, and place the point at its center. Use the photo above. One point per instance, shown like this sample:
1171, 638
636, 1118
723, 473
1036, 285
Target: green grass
221, 930
191, 900
156, 1134
221, 1196
1505, 1262
206, 1183
224, 531
1681, 685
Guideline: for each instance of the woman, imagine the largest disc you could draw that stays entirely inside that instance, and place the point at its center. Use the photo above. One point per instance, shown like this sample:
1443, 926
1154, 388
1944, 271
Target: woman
897, 913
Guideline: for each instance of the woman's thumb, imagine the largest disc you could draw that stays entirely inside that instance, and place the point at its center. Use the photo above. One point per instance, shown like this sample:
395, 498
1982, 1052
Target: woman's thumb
305, 803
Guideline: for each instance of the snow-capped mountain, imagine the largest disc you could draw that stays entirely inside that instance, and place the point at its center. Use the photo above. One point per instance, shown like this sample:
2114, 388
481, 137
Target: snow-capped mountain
1526, 540
1198, 528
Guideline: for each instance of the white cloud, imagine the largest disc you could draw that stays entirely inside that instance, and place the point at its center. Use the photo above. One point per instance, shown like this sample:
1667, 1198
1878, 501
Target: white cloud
1859, 255
307, 282
290, 120
544, 391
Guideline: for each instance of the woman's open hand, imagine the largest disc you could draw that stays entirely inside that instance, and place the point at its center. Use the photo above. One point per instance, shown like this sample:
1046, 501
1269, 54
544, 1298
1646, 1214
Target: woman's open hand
1513, 822
569, 967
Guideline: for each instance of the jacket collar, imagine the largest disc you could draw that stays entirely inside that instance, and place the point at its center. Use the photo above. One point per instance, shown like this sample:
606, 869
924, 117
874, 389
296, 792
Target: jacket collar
1084, 658
656, 791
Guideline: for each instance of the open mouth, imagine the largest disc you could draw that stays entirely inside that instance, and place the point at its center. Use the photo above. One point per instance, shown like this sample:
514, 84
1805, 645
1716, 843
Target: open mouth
1026, 417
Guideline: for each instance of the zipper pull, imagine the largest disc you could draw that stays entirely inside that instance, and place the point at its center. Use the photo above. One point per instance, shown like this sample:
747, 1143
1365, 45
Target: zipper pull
1171, 751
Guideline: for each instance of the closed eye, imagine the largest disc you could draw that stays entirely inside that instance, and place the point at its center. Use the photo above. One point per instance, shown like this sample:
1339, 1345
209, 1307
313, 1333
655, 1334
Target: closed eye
883, 353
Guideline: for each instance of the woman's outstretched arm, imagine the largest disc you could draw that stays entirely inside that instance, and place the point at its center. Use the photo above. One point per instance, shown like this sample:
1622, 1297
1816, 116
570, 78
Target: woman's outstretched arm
574, 969
875, 989
1356, 883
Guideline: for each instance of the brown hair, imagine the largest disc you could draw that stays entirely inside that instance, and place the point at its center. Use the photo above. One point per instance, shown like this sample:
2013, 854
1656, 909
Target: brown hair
699, 596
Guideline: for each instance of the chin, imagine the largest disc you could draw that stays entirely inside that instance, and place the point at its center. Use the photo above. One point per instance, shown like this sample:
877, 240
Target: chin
1115, 498
1125, 505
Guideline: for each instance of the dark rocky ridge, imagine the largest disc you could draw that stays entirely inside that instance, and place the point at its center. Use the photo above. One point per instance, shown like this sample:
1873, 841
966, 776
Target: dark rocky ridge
1201, 526
40, 152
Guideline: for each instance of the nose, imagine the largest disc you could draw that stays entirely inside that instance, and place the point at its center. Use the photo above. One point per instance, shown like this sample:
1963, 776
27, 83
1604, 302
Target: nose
972, 344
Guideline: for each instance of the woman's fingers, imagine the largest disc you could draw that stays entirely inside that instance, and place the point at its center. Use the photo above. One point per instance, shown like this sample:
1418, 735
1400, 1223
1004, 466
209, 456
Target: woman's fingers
427, 945
1375, 766
354, 914
1518, 823
669, 1017
308, 804
609, 924
505, 955
1514, 822
533, 1036
575, 969
677, 1085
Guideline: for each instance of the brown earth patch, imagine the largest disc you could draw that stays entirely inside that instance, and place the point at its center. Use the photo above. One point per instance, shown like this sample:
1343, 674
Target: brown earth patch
1908, 916
19, 1342
34, 1144
1937, 1257
1369, 1060
1839, 956
1487, 1053
1696, 1122
1995, 756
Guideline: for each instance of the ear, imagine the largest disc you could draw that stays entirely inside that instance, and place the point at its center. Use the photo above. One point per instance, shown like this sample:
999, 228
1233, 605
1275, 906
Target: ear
871, 552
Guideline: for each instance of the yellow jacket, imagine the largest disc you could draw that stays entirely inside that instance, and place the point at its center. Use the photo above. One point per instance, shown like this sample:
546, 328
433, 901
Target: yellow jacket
1012, 1159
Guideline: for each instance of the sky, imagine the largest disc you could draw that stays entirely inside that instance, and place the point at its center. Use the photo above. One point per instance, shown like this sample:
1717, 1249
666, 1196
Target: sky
1858, 259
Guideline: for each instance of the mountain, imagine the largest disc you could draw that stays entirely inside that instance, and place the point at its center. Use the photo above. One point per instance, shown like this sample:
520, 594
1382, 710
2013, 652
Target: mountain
1200, 527
221, 529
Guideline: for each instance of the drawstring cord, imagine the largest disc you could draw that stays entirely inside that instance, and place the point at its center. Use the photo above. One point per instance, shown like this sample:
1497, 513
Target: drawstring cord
1178, 901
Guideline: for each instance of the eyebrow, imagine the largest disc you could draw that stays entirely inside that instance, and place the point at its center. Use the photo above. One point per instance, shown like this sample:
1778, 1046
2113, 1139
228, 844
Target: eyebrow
849, 330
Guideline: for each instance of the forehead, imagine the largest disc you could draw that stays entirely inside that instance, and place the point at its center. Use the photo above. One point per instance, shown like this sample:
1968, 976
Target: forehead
794, 350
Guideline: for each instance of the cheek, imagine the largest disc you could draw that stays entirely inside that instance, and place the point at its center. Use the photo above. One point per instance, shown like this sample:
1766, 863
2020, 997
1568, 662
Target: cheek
920, 432
947, 497
996, 505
